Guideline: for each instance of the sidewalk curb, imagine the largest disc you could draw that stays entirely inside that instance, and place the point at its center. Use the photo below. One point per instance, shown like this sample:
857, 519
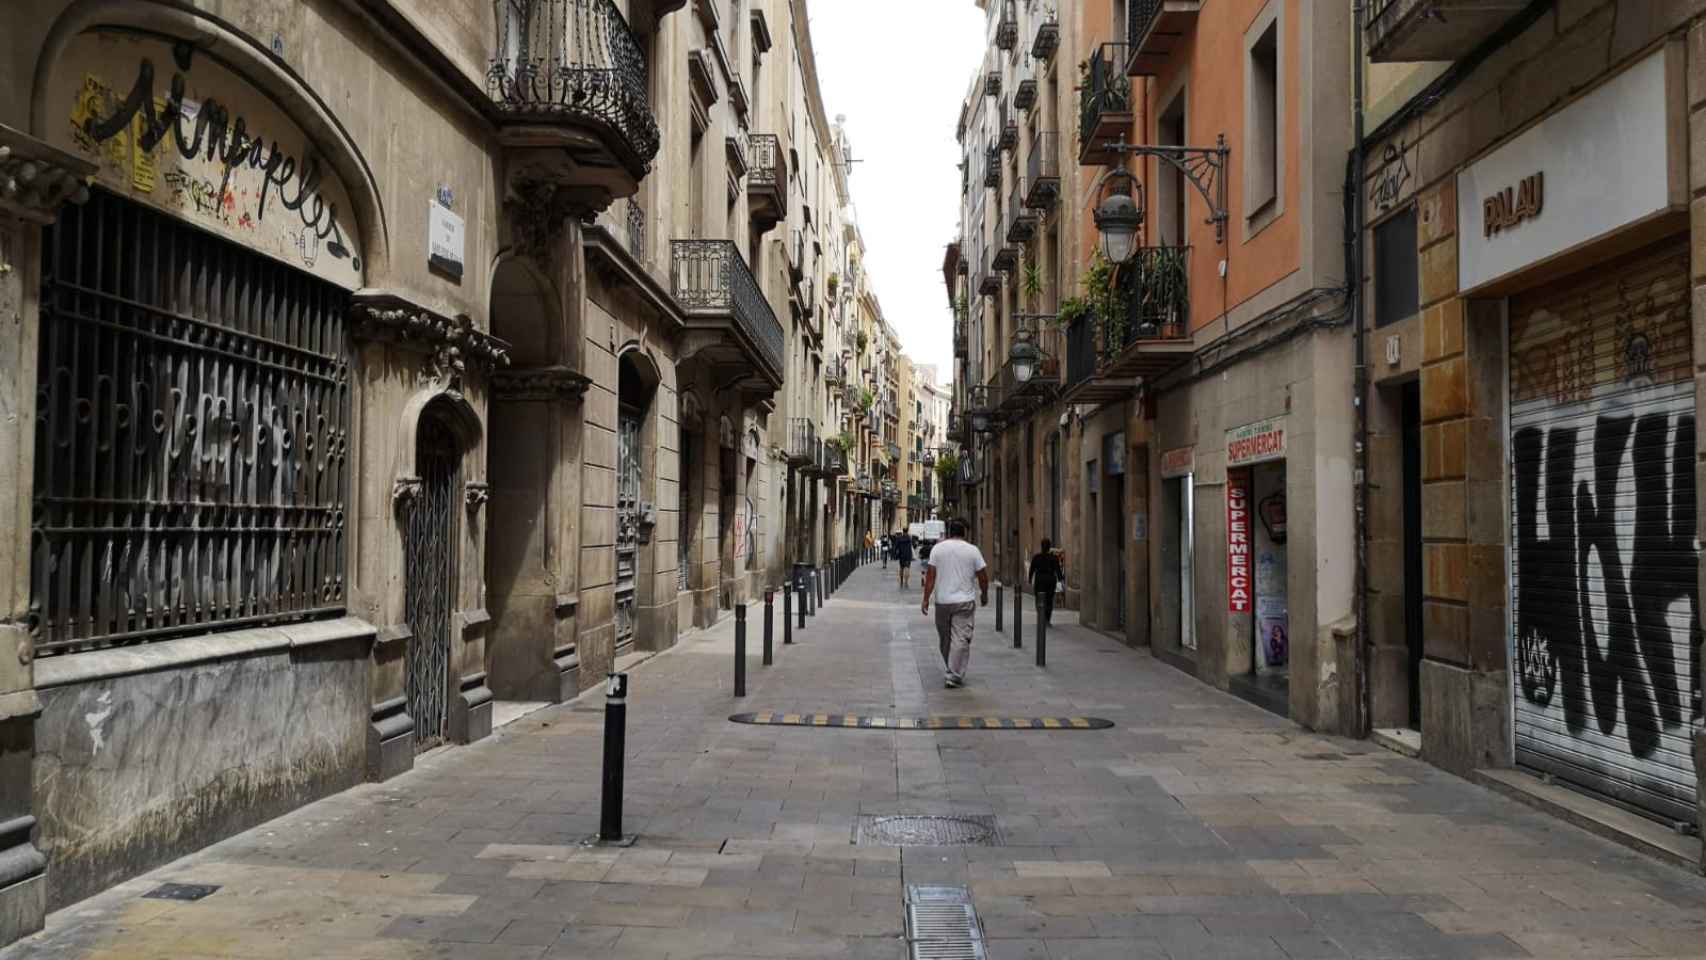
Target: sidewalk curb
1597, 817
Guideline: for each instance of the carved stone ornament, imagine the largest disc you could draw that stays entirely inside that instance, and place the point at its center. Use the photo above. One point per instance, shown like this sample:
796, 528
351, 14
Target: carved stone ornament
537, 209
405, 491
476, 493
36, 179
451, 343
543, 384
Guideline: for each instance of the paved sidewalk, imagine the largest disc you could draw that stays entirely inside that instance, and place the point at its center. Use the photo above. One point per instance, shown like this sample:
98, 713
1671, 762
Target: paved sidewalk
1198, 827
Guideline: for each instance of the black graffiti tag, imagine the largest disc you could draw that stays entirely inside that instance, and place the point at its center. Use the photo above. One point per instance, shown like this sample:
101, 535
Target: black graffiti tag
1559, 641
217, 134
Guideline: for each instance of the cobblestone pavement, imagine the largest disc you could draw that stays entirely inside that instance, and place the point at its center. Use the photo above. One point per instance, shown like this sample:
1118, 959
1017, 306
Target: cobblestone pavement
1198, 827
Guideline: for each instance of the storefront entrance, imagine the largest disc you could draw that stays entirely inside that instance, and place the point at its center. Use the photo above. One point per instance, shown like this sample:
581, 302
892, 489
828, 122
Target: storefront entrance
1604, 572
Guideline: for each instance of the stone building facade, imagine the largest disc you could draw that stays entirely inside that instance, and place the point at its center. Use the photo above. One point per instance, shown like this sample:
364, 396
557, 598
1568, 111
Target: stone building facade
371, 363
1533, 313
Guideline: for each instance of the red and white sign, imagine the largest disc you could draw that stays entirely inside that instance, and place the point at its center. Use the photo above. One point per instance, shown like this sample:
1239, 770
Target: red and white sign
1178, 463
1238, 583
1256, 442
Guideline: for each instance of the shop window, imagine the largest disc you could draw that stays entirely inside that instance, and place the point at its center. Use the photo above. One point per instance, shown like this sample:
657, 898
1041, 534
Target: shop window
1397, 272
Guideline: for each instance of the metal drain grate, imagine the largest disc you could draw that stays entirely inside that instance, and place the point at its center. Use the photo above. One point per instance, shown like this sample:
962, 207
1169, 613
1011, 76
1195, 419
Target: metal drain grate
958, 830
941, 924
180, 891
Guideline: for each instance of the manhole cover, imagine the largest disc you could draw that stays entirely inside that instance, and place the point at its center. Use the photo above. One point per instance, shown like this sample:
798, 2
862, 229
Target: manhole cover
928, 831
180, 891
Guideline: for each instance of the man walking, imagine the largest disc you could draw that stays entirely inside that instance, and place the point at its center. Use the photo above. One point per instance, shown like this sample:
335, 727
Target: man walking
957, 566
903, 556
1046, 575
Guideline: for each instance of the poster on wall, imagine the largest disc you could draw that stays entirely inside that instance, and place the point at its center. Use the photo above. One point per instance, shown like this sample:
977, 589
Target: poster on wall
181, 132
1238, 541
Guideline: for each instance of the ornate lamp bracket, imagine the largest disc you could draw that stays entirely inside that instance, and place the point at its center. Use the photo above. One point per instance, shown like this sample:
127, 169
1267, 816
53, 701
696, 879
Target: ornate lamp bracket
1204, 167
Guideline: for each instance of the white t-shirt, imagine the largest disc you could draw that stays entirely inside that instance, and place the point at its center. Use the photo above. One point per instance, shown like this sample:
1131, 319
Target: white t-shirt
956, 563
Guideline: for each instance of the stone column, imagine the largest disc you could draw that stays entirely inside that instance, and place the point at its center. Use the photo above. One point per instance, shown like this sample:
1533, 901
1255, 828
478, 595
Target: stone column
1465, 690
52, 178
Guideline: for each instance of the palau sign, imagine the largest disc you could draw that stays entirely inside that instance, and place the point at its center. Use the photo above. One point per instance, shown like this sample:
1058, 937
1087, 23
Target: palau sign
173, 128
1615, 157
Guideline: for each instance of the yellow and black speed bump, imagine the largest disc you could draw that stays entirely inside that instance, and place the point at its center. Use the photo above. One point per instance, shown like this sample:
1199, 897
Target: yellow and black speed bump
921, 723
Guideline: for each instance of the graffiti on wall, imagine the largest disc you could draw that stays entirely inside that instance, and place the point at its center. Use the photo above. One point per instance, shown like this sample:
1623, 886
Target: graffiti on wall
206, 145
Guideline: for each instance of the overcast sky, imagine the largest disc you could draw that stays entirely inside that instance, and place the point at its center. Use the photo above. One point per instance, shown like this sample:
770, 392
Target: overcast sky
898, 69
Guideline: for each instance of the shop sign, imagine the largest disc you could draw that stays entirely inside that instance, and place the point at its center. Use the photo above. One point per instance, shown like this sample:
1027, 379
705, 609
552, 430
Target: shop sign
1607, 160
1510, 207
1181, 462
1238, 541
1256, 443
177, 130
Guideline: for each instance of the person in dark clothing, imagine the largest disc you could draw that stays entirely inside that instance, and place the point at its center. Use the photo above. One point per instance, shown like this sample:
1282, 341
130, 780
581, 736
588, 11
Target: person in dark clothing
1046, 574
903, 556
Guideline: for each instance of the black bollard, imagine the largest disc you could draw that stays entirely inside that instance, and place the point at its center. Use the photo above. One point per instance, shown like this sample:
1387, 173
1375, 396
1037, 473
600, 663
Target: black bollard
740, 649
615, 738
787, 612
1018, 634
800, 596
769, 626
998, 606
822, 585
1042, 639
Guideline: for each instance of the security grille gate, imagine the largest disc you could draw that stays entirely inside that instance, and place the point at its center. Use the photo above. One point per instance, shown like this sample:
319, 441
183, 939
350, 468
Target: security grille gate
429, 577
1607, 683
192, 424
627, 522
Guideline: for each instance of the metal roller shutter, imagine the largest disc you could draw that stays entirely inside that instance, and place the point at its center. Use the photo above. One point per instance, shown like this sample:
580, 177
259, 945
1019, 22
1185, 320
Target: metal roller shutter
1603, 576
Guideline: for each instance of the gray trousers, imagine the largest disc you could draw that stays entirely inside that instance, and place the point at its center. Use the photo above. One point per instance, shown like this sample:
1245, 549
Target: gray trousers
953, 629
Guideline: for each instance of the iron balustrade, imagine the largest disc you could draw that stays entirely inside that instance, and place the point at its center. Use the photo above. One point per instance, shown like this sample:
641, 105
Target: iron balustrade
574, 60
636, 229
1023, 220
1106, 89
1042, 169
802, 440
768, 164
1009, 126
712, 278
1152, 297
992, 165
1080, 350
1047, 40
1140, 18
191, 438
1007, 28
1025, 97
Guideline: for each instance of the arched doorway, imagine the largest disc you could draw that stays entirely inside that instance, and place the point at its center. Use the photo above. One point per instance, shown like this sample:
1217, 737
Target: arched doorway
429, 572
636, 385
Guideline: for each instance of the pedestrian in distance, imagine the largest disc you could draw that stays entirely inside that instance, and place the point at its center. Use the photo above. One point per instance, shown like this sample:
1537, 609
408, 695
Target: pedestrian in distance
869, 544
886, 546
1047, 574
957, 574
903, 547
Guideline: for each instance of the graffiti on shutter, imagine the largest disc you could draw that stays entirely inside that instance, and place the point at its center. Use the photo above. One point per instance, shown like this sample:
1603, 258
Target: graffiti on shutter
1604, 573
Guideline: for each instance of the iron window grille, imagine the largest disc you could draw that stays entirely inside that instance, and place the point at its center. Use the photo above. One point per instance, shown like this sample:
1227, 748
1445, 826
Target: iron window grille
576, 60
191, 452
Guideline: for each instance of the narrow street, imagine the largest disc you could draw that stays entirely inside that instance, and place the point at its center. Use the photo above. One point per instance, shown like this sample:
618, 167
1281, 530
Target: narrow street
1196, 827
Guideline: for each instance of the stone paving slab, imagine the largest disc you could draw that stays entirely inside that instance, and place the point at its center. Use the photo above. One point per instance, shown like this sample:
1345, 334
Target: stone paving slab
1197, 827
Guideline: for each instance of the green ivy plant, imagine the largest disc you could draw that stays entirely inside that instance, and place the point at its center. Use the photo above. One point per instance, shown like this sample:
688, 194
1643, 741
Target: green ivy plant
948, 467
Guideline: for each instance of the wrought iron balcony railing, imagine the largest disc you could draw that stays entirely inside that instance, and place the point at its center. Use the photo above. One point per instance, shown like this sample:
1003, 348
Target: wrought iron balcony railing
1007, 28
835, 370
960, 345
1025, 95
636, 230
1019, 396
1405, 31
893, 450
1147, 333
992, 83
578, 62
712, 281
1047, 40
1021, 219
834, 459
1042, 170
802, 441
1154, 29
992, 166
989, 282
1009, 126
767, 180
1104, 105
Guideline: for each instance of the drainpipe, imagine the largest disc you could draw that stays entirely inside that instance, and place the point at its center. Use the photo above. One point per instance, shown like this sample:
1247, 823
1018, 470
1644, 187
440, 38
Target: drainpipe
1354, 270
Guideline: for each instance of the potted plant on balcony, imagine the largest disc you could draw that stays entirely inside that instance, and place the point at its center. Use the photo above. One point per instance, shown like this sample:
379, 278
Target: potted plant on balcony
866, 398
1032, 283
863, 341
947, 468
833, 283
